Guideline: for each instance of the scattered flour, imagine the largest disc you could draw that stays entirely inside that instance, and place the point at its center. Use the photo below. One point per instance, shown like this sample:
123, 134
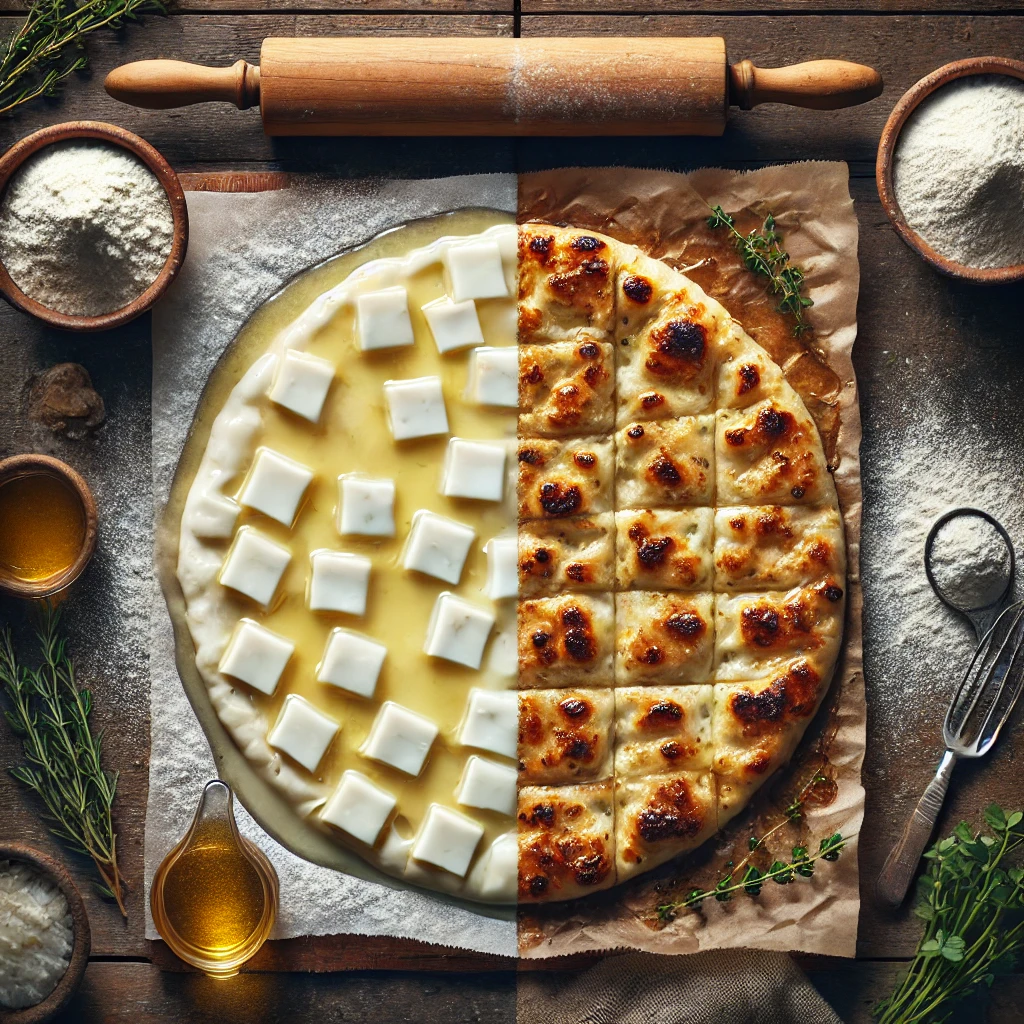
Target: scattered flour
36, 936
958, 171
85, 228
970, 562
915, 647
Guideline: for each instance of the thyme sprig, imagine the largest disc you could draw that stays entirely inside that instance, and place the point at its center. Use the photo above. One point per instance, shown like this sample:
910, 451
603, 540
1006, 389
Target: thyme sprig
762, 253
62, 766
748, 878
48, 46
971, 896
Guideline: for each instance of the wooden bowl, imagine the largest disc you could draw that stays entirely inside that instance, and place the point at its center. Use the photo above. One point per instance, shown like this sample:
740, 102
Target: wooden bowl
26, 465
81, 940
21, 151
884, 166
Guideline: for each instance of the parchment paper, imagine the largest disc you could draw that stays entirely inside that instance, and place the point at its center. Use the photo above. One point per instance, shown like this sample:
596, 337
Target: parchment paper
242, 248
665, 214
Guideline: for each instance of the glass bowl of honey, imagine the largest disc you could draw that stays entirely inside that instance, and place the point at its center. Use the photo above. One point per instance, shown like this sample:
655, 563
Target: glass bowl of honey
47, 526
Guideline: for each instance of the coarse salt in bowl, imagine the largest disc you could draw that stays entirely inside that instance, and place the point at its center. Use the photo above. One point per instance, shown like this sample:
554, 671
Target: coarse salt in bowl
124, 262
926, 102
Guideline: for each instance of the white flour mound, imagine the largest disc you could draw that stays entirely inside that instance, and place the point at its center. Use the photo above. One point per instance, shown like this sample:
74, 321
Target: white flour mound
35, 935
958, 171
85, 228
970, 562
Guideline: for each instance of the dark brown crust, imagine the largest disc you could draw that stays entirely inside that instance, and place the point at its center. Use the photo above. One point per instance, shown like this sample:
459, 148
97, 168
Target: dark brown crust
561, 478
565, 843
791, 695
558, 635
564, 736
767, 624
565, 388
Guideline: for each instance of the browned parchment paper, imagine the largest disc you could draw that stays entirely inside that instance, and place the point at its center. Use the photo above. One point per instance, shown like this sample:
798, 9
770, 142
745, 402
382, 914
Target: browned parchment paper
665, 214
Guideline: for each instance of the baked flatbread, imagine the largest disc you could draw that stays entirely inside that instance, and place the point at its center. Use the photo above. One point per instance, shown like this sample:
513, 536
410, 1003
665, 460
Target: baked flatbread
565, 736
728, 585
567, 554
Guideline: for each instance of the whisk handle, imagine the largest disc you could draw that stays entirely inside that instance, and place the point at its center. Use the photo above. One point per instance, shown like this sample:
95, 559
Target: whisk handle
900, 866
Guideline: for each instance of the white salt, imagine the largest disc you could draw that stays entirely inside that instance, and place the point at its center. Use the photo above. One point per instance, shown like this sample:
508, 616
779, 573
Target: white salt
36, 936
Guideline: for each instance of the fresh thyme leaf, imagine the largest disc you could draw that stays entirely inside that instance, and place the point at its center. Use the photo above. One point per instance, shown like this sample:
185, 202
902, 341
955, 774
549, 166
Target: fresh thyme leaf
762, 253
61, 754
748, 878
48, 47
971, 898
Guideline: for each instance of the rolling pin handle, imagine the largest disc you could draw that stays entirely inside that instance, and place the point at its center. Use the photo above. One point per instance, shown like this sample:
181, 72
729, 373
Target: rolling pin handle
162, 84
816, 84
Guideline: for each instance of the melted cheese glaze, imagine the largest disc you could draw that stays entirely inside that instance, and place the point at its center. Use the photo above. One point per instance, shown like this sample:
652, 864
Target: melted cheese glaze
353, 436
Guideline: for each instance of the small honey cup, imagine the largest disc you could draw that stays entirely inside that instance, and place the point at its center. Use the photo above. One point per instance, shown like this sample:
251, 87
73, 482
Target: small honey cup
13, 159
30, 465
908, 103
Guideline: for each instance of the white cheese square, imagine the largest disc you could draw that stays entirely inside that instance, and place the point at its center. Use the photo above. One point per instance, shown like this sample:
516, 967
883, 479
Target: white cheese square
256, 656
400, 737
454, 325
437, 546
358, 807
474, 469
367, 506
212, 516
476, 271
415, 407
487, 785
493, 377
383, 319
254, 565
302, 383
275, 485
447, 840
339, 583
502, 568
352, 662
492, 722
458, 630
302, 732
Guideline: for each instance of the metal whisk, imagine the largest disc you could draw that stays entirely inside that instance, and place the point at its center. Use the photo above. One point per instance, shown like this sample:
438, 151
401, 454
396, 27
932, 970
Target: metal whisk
980, 707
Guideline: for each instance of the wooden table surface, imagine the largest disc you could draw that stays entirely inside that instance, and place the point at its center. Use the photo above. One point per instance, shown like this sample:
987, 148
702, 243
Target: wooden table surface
909, 319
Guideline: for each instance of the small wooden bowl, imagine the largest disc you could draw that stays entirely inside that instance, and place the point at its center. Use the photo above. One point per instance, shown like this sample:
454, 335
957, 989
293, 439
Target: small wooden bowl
111, 133
884, 166
81, 941
26, 465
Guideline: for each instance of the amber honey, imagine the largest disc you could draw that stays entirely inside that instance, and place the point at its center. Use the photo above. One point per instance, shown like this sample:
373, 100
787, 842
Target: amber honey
42, 526
214, 898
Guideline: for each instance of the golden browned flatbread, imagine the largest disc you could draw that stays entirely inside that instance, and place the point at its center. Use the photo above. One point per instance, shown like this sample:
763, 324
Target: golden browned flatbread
703, 625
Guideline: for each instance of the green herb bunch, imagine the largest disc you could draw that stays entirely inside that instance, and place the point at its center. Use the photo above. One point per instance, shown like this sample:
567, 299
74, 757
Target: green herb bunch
50, 715
748, 878
48, 47
762, 253
972, 897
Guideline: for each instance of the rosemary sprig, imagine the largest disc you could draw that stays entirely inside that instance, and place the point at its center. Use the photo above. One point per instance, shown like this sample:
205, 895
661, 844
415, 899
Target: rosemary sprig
748, 878
971, 897
50, 715
762, 253
48, 47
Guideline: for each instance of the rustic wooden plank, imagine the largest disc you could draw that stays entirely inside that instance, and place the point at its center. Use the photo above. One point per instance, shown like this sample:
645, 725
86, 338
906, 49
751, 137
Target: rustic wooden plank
220, 135
241, 7
806, 8
217, 135
351, 953
139, 993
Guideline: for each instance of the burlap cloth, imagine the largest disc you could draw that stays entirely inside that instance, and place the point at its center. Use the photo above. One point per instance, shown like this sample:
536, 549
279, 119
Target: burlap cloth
723, 986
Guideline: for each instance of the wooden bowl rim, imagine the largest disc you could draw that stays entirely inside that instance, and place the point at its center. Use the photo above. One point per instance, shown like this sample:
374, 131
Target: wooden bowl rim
81, 937
23, 465
908, 103
12, 160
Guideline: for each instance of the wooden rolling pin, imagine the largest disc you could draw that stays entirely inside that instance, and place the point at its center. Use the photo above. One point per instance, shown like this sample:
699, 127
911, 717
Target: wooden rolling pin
467, 86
